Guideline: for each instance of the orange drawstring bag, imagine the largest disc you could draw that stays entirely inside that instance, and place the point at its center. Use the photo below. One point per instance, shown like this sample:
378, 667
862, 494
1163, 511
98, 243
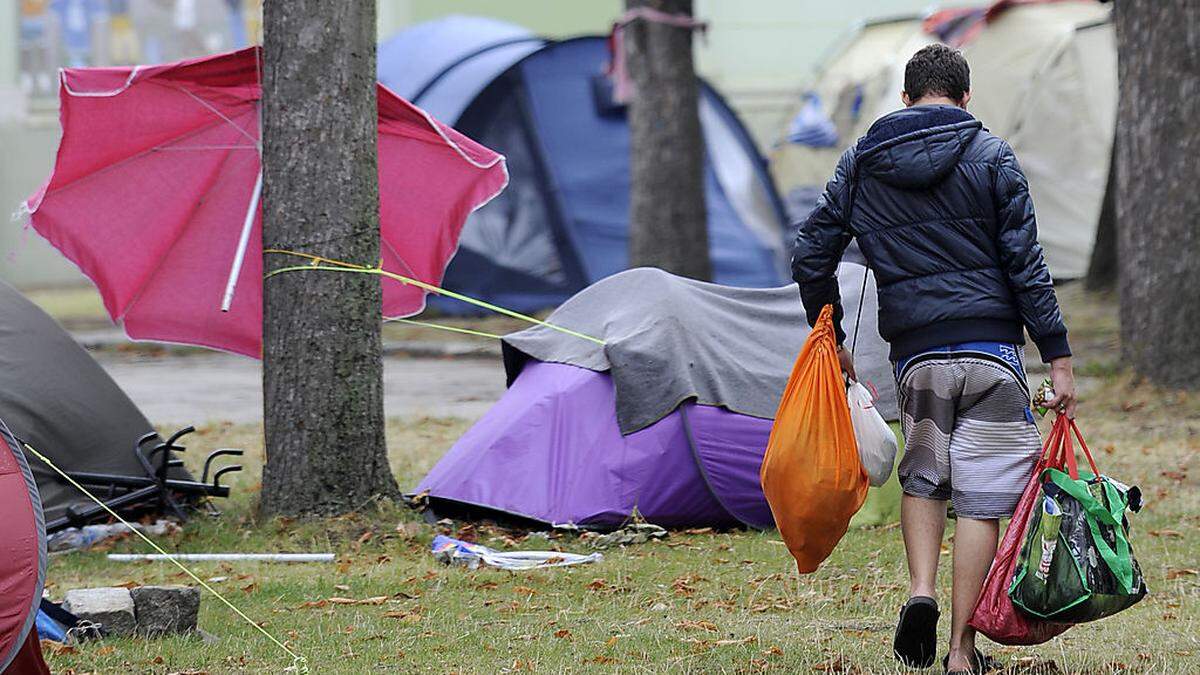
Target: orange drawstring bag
811, 474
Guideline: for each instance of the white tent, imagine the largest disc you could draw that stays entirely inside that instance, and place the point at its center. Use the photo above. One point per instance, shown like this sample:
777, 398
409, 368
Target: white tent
1043, 76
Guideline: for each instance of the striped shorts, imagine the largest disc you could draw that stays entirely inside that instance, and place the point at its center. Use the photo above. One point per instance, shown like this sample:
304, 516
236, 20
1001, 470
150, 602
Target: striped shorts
968, 429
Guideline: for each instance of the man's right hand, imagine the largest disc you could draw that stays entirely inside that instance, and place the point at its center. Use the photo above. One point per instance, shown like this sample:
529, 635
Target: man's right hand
1062, 378
846, 360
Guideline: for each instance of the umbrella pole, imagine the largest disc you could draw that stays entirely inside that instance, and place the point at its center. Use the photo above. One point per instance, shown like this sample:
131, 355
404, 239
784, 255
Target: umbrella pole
243, 242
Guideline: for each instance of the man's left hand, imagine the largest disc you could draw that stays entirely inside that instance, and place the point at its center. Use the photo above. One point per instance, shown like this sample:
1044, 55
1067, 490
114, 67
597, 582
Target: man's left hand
1062, 377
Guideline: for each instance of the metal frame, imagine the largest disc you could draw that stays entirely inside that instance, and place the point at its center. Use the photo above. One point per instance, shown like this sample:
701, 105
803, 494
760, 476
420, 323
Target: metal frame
155, 489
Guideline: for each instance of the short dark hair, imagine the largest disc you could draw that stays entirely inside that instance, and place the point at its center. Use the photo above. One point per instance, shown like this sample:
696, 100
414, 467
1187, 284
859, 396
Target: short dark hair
937, 69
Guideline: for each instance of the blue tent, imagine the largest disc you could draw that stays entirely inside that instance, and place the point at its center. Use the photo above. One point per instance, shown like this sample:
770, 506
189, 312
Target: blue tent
563, 222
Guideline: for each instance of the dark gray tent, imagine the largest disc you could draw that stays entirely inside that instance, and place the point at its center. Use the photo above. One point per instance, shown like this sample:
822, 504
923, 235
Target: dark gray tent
54, 396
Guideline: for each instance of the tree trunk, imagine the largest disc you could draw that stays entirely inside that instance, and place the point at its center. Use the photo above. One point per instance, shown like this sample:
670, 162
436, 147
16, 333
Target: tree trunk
322, 357
1102, 269
668, 225
1158, 205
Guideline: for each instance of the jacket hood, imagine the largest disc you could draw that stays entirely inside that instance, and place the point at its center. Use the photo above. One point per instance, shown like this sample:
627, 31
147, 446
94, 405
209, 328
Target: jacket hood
916, 147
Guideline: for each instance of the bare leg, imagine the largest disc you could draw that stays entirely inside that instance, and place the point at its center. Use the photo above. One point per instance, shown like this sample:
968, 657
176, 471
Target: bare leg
923, 522
974, 549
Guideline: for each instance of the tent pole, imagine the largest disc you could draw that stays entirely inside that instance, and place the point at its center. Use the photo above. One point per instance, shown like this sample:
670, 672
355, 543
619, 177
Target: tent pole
243, 242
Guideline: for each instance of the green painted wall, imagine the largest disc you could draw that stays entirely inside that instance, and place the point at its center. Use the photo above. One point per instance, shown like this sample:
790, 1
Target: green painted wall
758, 52
761, 53
554, 18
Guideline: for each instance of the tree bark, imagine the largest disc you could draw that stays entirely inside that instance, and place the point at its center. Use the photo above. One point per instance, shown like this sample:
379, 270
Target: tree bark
1102, 268
322, 356
1158, 205
668, 224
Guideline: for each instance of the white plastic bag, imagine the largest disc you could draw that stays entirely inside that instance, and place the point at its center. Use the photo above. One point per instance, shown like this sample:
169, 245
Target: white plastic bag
876, 443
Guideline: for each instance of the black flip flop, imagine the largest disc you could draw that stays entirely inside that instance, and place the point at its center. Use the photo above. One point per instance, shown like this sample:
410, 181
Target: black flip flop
915, 644
983, 664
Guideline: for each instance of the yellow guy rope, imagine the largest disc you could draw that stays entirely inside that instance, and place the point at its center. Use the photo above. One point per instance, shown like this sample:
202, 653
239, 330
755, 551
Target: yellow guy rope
326, 264
440, 326
299, 663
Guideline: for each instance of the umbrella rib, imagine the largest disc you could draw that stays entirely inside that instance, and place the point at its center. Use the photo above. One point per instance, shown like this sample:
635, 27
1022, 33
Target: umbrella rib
399, 257
162, 259
139, 155
218, 113
167, 148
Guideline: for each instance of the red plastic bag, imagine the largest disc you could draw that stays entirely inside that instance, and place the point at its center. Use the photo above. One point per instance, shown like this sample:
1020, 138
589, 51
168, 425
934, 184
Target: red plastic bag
811, 474
994, 615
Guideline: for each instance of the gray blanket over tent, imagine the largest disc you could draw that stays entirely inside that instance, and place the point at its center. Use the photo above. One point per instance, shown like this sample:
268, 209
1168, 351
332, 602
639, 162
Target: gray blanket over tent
670, 339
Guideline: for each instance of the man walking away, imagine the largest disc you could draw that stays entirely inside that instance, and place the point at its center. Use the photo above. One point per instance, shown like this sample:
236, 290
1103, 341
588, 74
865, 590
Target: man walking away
941, 210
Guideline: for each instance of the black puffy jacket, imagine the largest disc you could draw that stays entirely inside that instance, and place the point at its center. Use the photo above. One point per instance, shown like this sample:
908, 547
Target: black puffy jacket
942, 213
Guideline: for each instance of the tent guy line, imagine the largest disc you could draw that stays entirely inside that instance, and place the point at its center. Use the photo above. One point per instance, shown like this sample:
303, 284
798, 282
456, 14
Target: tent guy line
452, 329
318, 263
299, 663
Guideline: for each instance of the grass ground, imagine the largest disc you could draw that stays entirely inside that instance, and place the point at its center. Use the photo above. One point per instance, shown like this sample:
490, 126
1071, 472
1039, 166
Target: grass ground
699, 601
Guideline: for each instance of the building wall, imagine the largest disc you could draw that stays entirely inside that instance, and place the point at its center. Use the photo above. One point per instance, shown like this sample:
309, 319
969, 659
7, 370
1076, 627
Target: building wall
554, 18
759, 54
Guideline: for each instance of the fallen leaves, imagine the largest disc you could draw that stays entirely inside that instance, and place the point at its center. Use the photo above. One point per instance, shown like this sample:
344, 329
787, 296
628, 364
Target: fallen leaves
318, 604
697, 625
685, 586
1178, 572
377, 600
404, 616
705, 645
562, 634
837, 665
1168, 534
57, 648
1033, 664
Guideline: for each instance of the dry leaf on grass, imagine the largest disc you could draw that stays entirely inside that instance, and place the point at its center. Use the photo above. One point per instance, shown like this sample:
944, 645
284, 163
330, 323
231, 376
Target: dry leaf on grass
837, 665
1177, 572
56, 648
697, 625
406, 617
377, 600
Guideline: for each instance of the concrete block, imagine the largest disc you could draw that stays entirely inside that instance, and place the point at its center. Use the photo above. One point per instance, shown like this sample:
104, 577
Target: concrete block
163, 610
112, 608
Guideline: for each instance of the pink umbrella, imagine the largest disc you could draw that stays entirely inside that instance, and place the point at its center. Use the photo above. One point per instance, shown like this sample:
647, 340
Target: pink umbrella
154, 195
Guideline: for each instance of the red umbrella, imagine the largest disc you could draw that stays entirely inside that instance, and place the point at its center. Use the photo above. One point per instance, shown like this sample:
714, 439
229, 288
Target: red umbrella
154, 195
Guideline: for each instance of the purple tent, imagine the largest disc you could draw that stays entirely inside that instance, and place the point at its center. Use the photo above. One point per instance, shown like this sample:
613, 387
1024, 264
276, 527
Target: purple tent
669, 417
533, 455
